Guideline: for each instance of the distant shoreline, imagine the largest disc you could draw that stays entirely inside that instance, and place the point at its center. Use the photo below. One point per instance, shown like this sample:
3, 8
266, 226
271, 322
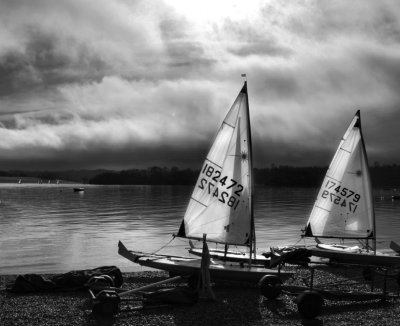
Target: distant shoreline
383, 176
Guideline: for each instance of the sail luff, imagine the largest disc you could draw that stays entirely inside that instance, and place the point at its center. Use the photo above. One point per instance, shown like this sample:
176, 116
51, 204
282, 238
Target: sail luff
369, 180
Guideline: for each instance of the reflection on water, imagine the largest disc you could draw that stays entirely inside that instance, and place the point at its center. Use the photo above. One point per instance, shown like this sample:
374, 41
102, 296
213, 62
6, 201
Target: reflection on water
50, 228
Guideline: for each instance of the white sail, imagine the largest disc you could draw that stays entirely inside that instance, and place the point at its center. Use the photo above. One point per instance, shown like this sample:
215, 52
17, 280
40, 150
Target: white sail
344, 206
220, 205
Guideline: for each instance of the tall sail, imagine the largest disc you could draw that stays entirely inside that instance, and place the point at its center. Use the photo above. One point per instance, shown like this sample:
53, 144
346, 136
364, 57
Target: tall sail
344, 206
221, 202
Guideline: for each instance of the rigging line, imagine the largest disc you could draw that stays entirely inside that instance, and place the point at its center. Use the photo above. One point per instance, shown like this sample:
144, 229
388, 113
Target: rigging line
162, 247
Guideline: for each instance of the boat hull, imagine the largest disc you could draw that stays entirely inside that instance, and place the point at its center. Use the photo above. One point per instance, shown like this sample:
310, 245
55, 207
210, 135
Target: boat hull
231, 256
191, 266
361, 258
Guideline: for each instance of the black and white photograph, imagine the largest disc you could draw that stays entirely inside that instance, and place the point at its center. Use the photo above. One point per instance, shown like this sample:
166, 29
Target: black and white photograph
187, 162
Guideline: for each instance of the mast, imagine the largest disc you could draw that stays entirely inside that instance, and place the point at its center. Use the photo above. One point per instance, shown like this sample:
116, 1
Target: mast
369, 177
252, 238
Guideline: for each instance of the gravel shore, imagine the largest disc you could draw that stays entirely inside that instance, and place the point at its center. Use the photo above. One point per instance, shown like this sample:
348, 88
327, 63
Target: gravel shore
236, 304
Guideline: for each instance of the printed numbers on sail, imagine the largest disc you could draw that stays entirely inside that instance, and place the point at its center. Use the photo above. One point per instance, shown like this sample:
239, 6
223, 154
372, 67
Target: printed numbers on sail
224, 188
215, 175
222, 196
341, 196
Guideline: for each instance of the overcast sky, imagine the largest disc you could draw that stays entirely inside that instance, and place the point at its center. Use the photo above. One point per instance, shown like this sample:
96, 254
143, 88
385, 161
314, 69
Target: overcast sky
130, 84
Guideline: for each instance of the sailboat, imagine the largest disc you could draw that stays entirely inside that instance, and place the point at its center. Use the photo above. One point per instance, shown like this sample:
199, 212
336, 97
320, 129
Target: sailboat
221, 205
344, 208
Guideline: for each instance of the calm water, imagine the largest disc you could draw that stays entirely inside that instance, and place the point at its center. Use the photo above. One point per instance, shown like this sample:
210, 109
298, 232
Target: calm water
50, 228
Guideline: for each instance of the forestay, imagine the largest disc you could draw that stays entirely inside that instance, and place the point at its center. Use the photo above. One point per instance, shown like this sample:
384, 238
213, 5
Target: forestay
220, 205
344, 206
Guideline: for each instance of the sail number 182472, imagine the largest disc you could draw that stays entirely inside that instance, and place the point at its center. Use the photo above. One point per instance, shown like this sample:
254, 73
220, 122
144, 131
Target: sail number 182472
214, 185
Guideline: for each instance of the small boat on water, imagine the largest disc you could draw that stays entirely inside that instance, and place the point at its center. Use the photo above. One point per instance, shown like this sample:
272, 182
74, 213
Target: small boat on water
79, 189
344, 208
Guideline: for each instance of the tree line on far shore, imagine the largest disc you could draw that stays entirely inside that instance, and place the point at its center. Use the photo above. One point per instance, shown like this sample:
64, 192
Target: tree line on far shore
383, 176
387, 176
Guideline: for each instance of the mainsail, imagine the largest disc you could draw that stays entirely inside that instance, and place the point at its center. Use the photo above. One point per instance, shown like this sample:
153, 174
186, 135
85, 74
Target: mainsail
344, 206
221, 204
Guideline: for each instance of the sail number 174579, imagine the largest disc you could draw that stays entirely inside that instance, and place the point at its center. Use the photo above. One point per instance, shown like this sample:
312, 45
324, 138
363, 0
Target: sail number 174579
341, 195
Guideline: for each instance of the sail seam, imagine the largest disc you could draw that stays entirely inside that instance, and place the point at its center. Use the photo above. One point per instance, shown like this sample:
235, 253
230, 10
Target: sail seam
213, 163
333, 179
233, 127
199, 202
322, 208
345, 150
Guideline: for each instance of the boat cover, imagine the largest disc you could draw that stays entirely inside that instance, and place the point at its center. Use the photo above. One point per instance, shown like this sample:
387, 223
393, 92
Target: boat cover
71, 281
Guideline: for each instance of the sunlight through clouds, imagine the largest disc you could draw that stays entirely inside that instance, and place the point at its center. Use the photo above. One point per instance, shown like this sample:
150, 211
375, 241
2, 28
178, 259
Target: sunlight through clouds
151, 81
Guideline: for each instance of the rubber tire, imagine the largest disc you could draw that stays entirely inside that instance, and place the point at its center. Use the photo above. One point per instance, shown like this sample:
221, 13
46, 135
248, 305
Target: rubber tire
105, 308
309, 304
173, 274
193, 282
270, 286
368, 273
102, 279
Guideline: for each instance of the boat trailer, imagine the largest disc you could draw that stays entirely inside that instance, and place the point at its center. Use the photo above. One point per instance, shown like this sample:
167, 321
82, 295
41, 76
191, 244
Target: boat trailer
310, 297
106, 297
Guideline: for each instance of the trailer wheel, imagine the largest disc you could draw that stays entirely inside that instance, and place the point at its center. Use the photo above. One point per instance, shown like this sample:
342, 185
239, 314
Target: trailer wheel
194, 282
106, 303
309, 304
102, 279
398, 279
368, 273
270, 286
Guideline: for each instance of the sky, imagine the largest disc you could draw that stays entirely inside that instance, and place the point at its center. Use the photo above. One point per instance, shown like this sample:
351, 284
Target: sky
121, 84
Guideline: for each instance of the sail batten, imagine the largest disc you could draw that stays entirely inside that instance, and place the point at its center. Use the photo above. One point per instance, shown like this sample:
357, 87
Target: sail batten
344, 206
220, 205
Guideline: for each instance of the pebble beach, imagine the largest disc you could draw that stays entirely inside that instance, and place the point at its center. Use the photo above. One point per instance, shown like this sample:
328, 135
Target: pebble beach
235, 304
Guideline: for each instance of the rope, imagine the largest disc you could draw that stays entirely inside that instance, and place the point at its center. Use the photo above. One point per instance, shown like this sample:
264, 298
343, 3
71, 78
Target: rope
162, 247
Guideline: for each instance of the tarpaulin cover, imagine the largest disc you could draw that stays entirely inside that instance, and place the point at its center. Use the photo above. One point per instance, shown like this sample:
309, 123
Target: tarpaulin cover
71, 281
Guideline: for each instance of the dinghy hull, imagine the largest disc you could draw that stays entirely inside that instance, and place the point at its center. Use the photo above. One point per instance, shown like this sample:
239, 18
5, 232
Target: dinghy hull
191, 266
232, 256
359, 258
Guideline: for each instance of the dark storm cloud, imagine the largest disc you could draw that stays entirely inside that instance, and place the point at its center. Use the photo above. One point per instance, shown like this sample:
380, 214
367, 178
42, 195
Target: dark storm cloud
42, 65
132, 83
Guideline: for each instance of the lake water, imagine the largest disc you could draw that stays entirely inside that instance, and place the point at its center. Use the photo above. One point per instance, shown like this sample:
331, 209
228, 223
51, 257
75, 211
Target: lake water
49, 228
